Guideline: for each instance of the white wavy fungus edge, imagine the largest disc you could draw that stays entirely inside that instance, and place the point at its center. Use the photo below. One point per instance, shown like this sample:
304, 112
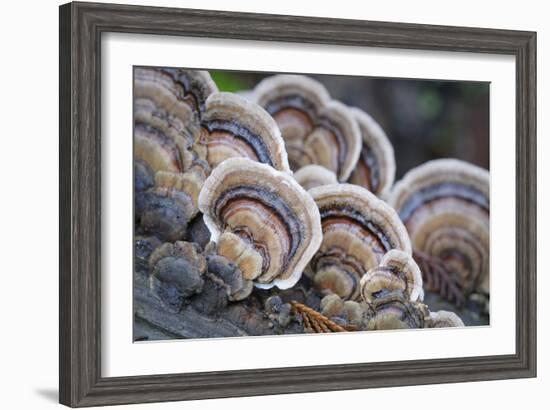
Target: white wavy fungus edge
310, 207
379, 142
439, 170
378, 206
255, 110
406, 263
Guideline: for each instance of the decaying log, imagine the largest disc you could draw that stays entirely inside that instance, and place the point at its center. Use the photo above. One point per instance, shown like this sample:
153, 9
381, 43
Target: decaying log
203, 315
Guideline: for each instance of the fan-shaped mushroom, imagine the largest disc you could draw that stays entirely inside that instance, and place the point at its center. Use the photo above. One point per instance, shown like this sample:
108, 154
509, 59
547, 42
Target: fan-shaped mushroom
235, 127
316, 130
397, 272
262, 220
332, 305
294, 101
393, 291
375, 169
156, 150
312, 176
445, 206
358, 229
396, 312
350, 311
185, 187
335, 142
168, 104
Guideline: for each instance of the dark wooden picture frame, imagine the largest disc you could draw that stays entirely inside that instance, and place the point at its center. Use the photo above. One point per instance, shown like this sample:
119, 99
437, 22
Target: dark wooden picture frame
81, 28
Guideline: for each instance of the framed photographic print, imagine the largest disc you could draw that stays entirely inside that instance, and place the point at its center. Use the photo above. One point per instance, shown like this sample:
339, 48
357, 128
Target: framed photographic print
258, 204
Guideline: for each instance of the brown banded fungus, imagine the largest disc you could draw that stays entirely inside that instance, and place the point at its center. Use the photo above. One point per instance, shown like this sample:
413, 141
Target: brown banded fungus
168, 105
335, 142
393, 292
312, 176
316, 129
349, 312
375, 169
235, 127
262, 220
332, 305
396, 273
184, 187
294, 101
395, 312
445, 206
358, 230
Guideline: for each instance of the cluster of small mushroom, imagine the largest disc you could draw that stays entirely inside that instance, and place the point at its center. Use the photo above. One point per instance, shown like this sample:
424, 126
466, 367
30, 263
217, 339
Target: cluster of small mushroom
283, 183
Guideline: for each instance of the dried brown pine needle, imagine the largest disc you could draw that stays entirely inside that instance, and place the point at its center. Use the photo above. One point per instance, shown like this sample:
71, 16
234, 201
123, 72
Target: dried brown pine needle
314, 322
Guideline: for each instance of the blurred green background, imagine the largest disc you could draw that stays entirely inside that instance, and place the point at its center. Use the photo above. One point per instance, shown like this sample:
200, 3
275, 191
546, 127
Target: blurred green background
424, 119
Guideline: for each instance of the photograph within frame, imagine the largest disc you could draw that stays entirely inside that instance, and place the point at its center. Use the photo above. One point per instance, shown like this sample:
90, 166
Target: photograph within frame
424, 266
81, 381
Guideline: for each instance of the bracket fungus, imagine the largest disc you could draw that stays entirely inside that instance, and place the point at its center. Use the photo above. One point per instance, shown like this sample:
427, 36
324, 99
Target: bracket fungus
264, 212
349, 312
358, 230
168, 104
445, 206
262, 220
233, 126
312, 176
393, 291
396, 273
170, 161
395, 312
375, 169
294, 101
316, 129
